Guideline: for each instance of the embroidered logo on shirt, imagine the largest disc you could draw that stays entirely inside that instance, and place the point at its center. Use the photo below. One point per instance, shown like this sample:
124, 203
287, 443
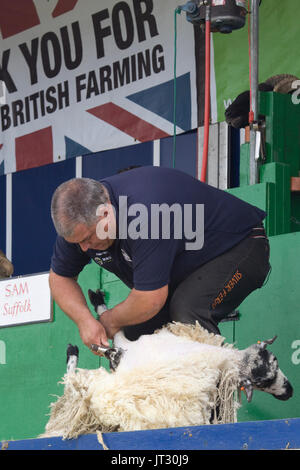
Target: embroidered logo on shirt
126, 256
102, 258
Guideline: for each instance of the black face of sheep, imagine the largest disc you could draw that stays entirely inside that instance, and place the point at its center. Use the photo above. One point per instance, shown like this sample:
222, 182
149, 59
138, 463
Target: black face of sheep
261, 371
237, 114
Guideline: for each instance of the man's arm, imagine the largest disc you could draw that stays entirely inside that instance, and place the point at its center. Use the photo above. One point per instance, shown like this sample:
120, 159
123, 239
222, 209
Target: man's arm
69, 296
139, 307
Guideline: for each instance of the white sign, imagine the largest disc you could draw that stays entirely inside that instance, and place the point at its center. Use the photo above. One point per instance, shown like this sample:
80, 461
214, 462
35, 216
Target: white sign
25, 299
217, 3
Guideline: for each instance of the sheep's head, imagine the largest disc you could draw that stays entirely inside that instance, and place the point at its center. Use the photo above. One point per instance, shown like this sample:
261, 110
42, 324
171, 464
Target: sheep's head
260, 370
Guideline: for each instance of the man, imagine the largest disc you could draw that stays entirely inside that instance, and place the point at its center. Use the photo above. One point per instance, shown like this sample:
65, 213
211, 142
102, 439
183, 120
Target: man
186, 250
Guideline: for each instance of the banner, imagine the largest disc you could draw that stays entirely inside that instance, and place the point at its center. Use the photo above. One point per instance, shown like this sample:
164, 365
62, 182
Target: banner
82, 76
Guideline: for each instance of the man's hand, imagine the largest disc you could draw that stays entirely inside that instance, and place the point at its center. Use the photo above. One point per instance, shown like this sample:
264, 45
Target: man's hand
109, 328
92, 332
138, 307
69, 296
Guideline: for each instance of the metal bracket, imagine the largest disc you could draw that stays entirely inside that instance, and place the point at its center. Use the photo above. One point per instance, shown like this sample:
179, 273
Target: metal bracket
232, 316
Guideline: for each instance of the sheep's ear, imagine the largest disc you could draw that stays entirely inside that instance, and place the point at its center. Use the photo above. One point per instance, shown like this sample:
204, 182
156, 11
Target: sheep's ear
264, 344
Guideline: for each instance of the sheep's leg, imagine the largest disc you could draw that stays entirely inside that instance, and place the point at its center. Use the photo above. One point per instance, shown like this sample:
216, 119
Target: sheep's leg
98, 302
72, 358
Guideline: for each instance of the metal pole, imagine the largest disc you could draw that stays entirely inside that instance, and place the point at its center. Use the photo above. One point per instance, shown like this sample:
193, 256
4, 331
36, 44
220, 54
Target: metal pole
254, 86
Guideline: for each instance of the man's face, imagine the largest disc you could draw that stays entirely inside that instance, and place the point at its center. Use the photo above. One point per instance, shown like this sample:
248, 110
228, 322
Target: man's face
99, 236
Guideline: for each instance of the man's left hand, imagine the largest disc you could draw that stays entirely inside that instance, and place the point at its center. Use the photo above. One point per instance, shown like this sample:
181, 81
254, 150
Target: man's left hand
105, 320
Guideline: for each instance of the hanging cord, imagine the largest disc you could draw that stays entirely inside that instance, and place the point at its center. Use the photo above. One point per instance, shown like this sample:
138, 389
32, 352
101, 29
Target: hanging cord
251, 112
207, 96
176, 12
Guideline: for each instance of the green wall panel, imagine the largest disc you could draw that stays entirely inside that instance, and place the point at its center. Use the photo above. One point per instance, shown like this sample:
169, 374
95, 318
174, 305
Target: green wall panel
274, 310
272, 195
261, 195
282, 119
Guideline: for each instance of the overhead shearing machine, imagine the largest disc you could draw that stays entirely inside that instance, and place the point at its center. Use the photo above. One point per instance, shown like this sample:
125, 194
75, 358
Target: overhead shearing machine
226, 16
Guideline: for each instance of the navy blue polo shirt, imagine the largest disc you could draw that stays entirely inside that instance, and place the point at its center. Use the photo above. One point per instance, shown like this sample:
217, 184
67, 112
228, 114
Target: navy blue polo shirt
146, 262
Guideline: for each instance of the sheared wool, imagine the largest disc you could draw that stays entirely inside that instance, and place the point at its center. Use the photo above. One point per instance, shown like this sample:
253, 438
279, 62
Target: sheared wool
175, 377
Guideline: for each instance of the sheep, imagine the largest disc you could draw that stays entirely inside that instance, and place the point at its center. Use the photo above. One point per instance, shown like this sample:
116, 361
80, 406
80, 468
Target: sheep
237, 114
258, 367
181, 375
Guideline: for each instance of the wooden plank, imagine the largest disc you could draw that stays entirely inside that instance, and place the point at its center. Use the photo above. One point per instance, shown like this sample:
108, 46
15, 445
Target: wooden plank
217, 165
213, 156
223, 175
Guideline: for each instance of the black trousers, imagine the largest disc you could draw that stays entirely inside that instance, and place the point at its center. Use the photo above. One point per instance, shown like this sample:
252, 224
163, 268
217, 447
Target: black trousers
215, 289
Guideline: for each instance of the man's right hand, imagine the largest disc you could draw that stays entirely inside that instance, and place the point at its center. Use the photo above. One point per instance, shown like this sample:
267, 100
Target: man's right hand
69, 296
92, 332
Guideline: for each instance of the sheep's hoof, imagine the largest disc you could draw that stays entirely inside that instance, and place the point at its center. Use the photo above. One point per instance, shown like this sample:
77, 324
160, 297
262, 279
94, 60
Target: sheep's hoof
72, 351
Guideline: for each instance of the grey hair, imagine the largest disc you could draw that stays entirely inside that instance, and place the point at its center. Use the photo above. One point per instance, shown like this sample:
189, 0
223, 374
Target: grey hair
76, 201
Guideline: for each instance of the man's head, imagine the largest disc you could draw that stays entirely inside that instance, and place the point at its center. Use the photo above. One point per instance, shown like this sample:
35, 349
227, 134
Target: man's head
82, 213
